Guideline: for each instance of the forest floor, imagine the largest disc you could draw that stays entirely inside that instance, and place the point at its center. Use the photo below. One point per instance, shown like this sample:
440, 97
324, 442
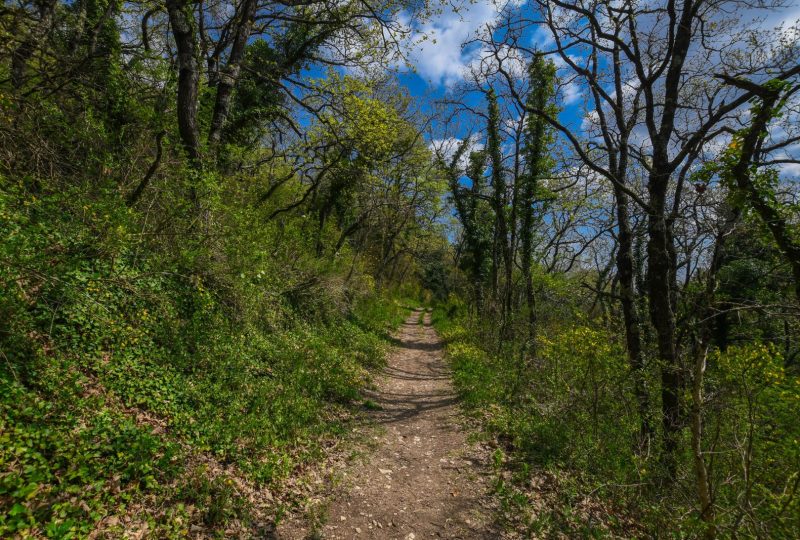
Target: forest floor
423, 479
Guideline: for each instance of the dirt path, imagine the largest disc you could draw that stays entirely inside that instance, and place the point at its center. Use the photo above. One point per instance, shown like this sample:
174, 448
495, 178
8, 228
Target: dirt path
419, 483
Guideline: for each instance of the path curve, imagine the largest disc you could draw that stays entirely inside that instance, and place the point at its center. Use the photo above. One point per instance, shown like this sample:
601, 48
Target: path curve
420, 481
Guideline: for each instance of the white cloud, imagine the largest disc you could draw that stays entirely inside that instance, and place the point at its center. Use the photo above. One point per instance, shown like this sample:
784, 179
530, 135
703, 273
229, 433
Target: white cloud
447, 147
570, 93
790, 169
436, 47
542, 38
590, 122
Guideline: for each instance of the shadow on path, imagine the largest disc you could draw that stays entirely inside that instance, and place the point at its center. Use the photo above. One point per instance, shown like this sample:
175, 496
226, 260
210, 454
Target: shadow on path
422, 480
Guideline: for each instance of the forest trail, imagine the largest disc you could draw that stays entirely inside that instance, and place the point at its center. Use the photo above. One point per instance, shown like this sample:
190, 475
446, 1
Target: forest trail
419, 482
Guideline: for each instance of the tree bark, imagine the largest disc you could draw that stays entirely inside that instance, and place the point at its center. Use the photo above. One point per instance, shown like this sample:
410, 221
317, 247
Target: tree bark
630, 314
182, 22
705, 331
22, 53
230, 75
137, 193
661, 290
526, 252
502, 248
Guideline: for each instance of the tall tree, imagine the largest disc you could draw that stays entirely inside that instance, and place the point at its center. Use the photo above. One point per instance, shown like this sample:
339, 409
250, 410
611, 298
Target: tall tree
538, 164
503, 250
181, 18
639, 62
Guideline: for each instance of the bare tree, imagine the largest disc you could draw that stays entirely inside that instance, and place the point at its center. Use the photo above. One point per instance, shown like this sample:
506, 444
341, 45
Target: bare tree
646, 68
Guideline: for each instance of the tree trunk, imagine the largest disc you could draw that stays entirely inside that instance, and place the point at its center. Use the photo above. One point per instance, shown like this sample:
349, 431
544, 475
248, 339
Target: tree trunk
661, 291
630, 313
512, 243
229, 76
182, 21
137, 193
502, 250
23, 53
702, 483
705, 331
526, 239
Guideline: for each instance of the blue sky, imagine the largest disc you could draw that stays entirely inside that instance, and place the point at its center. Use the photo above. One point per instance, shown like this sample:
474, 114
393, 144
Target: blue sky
439, 59
440, 54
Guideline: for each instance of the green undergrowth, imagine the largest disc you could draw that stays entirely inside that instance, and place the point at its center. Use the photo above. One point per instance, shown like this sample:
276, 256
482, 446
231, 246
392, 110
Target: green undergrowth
82, 437
564, 425
545, 427
76, 447
135, 395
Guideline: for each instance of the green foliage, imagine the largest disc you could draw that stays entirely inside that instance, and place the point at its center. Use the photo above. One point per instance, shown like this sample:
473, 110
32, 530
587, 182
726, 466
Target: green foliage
159, 351
567, 421
539, 136
754, 406
120, 365
107, 415
178, 334
69, 459
580, 375
762, 184
569, 410
256, 103
475, 214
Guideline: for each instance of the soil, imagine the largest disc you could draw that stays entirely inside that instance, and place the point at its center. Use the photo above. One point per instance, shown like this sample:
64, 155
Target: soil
422, 479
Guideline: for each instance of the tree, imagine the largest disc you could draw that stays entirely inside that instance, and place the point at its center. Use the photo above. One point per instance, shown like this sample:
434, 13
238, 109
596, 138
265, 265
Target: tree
537, 164
502, 252
652, 56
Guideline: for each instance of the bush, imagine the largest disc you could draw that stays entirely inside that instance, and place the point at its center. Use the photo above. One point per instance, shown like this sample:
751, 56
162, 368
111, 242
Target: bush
120, 366
568, 418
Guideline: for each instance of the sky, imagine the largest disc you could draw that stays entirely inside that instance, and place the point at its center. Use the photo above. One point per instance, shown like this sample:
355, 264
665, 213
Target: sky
439, 58
440, 61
